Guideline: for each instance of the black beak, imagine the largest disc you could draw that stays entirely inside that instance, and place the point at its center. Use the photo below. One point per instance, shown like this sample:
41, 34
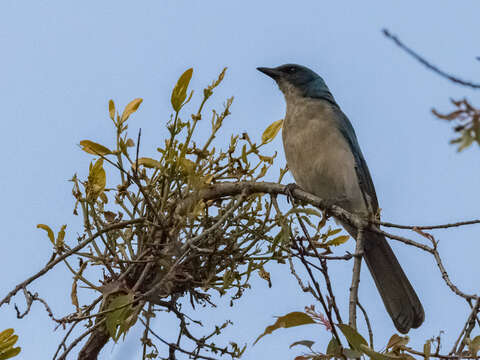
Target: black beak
273, 73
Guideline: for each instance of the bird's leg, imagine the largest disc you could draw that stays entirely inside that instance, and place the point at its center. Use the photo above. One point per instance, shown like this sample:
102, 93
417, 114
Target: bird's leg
289, 188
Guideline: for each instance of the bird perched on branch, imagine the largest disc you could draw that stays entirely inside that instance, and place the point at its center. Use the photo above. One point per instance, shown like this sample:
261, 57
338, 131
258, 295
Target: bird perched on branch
325, 159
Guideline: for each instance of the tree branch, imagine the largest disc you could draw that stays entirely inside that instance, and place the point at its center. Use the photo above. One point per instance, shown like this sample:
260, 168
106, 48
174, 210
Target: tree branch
428, 64
357, 262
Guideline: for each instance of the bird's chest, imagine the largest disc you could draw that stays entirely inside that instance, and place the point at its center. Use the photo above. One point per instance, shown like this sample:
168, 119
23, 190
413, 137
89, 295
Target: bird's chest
317, 154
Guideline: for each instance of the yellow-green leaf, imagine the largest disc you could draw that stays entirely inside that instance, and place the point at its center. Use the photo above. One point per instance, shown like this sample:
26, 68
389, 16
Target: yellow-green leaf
474, 345
333, 232
179, 93
7, 341
290, 320
377, 356
50, 236
94, 148
115, 319
10, 353
96, 180
353, 337
60, 237
148, 163
337, 241
427, 349
187, 166
6, 334
271, 131
131, 107
466, 140
397, 341
111, 109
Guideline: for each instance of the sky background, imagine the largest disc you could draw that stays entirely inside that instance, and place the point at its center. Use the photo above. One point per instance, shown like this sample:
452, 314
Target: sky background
62, 61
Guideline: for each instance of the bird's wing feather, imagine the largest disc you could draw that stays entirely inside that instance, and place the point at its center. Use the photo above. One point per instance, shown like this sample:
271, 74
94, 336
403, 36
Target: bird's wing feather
366, 183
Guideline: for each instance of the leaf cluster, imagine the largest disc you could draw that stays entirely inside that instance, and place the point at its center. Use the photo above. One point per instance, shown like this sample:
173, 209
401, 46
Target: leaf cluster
467, 123
151, 240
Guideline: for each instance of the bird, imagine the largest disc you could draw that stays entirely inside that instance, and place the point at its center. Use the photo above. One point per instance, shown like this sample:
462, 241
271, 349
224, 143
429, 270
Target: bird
325, 159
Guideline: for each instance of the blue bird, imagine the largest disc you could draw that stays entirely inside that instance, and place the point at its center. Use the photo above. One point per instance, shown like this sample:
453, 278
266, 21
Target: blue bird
325, 159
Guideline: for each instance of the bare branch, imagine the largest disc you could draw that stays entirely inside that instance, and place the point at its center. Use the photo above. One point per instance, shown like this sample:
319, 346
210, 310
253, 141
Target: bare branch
428, 64
367, 321
357, 262
429, 227
52, 264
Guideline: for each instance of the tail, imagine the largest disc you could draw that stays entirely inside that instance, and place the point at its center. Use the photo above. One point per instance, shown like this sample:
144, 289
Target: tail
397, 293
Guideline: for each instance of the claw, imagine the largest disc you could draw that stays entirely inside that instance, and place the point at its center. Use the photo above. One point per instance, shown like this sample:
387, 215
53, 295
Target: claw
289, 188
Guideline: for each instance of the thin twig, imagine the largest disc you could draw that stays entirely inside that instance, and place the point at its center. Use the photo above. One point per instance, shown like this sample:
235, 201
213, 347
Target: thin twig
427, 64
467, 329
324, 271
191, 353
62, 343
310, 274
429, 227
445, 277
52, 264
80, 338
367, 321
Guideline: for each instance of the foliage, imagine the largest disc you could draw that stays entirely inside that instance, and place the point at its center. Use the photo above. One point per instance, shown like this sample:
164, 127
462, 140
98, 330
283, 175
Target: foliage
7, 341
168, 232
467, 120
191, 221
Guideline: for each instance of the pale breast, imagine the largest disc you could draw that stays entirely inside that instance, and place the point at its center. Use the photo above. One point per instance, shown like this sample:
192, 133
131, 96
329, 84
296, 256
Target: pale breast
318, 155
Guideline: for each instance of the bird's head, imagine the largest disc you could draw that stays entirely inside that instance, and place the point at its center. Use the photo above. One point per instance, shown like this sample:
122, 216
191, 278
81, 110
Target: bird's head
297, 80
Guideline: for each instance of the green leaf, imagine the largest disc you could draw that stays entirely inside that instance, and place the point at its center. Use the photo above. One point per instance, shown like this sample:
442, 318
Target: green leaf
179, 93
352, 354
94, 148
474, 345
115, 320
353, 337
377, 356
307, 343
290, 320
50, 236
271, 131
334, 348
131, 107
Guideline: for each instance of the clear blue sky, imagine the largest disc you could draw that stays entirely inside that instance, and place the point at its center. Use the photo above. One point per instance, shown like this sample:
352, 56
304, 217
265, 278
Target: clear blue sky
62, 61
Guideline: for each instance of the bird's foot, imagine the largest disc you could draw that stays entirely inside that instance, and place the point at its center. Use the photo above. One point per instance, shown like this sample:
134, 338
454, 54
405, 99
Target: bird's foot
289, 188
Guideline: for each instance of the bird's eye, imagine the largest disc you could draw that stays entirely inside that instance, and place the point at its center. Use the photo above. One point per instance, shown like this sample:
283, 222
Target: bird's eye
291, 69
